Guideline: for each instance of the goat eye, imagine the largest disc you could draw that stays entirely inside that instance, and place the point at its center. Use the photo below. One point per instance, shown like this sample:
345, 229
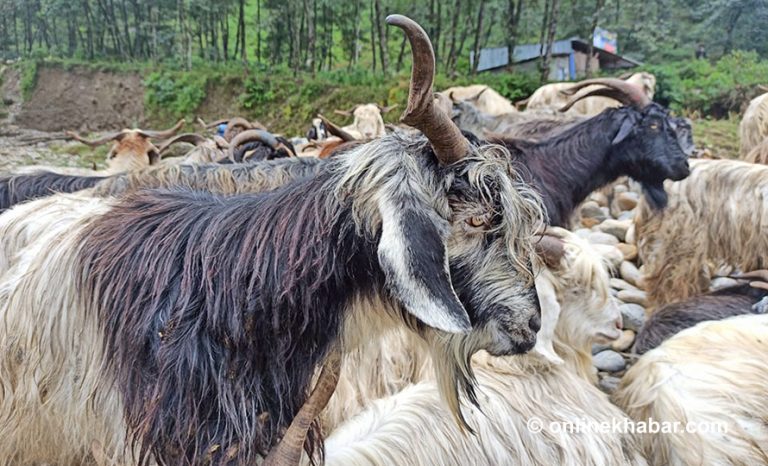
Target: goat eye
476, 222
655, 126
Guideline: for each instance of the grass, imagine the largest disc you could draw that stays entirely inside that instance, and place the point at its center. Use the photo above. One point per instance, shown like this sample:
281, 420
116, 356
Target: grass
721, 137
82, 155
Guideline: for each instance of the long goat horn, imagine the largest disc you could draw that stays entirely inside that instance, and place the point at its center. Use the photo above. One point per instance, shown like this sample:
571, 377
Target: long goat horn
163, 134
252, 135
96, 142
444, 136
761, 274
190, 138
289, 451
622, 91
335, 130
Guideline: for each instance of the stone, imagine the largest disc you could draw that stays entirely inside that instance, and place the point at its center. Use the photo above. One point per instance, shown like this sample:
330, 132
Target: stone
591, 209
600, 198
582, 233
619, 188
598, 347
634, 297
599, 237
617, 228
624, 342
722, 282
627, 200
629, 251
620, 284
589, 222
609, 384
609, 361
629, 272
631, 237
611, 254
626, 215
633, 316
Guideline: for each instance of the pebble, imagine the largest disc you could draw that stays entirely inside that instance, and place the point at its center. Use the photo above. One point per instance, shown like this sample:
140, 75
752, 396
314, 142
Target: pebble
633, 316
620, 188
634, 297
600, 198
631, 237
617, 228
722, 282
591, 209
627, 200
624, 342
609, 384
599, 347
609, 361
630, 273
582, 233
629, 251
598, 237
590, 222
627, 215
620, 284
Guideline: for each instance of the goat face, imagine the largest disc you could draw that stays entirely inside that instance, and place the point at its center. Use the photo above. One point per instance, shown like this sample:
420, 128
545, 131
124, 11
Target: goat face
649, 141
318, 131
132, 150
368, 121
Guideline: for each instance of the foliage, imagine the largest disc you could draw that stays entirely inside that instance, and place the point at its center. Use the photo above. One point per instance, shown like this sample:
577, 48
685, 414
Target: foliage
176, 94
28, 77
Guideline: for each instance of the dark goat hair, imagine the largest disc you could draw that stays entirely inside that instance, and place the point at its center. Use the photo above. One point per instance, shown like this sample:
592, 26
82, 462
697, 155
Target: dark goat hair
25, 187
216, 178
625, 141
668, 320
257, 151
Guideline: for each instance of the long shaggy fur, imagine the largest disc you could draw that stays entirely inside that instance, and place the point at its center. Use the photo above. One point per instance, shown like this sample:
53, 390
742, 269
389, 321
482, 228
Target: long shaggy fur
717, 216
673, 318
413, 428
24, 187
712, 373
759, 153
753, 128
164, 271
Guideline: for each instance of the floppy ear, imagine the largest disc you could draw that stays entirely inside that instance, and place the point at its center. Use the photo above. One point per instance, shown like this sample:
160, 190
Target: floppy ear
626, 129
412, 253
550, 313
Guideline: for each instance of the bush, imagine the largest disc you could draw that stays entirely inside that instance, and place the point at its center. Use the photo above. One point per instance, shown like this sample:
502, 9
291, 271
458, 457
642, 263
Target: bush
174, 94
28, 77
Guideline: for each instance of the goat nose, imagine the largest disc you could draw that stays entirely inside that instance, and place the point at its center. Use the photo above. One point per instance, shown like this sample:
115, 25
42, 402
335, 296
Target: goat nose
535, 322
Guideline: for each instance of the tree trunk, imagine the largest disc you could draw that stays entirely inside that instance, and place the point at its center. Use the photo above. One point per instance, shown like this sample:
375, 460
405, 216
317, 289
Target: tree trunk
478, 33
514, 8
591, 48
310, 15
373, 36
383, 49
454, 32
551, 31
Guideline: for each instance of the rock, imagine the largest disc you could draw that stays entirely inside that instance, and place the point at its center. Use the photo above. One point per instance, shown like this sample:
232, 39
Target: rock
609, 361
631, 237
619, 188
722, 282
591, 209
628, 215
599, 347
620, 284
600, 198
624, 342
609, 384
582, 233
614, 293
589, 222
633, 316
617, 228
598, 237
629, 251
627, 200
629, 272
610, 254
634, 297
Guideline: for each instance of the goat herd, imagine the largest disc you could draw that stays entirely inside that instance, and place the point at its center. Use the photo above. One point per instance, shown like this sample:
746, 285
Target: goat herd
388, 296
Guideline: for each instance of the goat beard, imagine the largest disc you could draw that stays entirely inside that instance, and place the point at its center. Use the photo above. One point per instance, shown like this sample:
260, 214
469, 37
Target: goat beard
655, 195
451, 356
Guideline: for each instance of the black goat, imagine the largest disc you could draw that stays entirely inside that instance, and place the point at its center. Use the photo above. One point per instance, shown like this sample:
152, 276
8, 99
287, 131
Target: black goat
639, 140
216, 310
668, 320
24, 187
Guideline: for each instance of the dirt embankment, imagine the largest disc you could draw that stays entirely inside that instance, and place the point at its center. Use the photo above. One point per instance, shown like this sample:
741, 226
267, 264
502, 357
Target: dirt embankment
82, 100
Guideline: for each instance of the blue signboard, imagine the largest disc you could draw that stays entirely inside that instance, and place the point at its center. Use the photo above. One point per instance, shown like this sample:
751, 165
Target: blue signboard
605, 40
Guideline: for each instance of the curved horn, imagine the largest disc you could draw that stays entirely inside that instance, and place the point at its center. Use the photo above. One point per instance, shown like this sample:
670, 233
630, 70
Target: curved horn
759, 274
445, 137
216, 123
235, 122
250, 136
190, 138
551, 250
221, 143
335, 130
96, 142
346, 112
625, 92
162, 134
387, 109
289, 450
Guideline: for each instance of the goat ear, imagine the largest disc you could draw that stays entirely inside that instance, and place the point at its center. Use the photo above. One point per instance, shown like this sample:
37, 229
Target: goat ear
550, 313
412, 253
626, 129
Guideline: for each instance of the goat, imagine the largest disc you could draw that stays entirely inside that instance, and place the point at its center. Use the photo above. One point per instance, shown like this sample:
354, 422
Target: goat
413, 428
726, 198
754, 124
759, 153
228, 128
318, 131
554, 96
711, 377
367, 123
482, 97
640, 140
670, 319
429, 231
